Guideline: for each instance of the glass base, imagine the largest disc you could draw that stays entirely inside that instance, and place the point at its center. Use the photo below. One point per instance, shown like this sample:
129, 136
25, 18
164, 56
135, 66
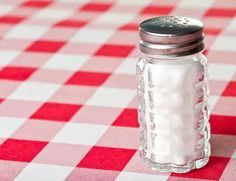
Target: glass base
168, 167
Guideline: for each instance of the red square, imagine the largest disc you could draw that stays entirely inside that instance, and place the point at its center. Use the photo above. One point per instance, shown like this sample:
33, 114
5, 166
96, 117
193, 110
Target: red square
212, 31
96, 7
11, 19
131, 26
223, 124
128, 117
36, 4
88, 78
106, 158
16, 73
115, 50
71, 23
221, 12
205, 52
230, 89
1, 100
212, 171
45, 46
162, 10
20, 150
56, 112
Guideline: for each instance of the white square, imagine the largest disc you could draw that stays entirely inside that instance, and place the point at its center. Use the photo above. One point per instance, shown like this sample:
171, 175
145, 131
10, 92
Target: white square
44, 172
232, 24
6, 56
4, 9
66, 62
234, 154
89, 35
198, 3
212, 102
34, 91
128, 66
111, 97
9, 125
116, 18
221, 71
74, 1
55, 14
79, 133
225, 43
134, 3
124, 176
28, 32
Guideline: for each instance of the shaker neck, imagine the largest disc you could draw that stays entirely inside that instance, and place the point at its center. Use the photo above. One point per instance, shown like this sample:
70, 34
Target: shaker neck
171, 58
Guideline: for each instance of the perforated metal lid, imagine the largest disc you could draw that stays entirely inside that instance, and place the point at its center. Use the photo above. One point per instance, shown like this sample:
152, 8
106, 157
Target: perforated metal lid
171, 36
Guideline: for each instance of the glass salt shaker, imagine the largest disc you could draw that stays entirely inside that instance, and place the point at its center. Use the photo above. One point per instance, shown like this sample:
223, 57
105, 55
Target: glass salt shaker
172, 95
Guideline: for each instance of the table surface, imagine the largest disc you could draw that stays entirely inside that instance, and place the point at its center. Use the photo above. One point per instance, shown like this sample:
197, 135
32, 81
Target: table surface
68, 88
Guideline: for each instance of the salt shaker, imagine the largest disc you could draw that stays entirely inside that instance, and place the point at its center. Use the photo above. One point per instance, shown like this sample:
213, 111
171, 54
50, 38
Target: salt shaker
172, 94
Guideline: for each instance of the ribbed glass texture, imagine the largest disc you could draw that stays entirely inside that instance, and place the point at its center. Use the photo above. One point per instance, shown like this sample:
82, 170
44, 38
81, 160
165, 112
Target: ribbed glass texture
173, 112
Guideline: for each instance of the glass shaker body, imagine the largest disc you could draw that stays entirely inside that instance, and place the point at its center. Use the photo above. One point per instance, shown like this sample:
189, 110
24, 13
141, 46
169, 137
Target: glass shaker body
173, 113
172, 94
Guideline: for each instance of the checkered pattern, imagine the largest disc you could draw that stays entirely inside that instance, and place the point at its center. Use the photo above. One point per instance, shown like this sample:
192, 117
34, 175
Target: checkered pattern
68, 88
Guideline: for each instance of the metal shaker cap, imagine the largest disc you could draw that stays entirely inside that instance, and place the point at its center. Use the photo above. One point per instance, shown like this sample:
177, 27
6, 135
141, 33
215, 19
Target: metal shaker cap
171, 36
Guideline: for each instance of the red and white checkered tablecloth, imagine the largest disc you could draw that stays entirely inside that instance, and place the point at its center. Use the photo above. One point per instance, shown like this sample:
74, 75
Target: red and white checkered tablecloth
68, 88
